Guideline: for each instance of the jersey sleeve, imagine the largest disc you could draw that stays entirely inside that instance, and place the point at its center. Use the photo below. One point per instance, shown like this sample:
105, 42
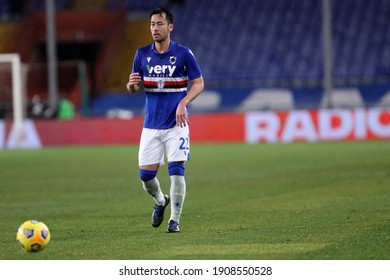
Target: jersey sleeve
137, 66
193, 68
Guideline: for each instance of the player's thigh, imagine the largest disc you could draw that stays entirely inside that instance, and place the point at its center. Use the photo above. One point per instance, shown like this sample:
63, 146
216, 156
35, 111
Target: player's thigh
151, 148
177, 144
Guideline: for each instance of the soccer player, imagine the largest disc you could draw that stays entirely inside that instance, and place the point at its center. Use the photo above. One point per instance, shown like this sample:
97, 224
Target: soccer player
165, 68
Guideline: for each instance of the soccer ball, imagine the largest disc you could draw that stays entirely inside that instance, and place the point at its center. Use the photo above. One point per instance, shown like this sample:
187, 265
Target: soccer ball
33, 236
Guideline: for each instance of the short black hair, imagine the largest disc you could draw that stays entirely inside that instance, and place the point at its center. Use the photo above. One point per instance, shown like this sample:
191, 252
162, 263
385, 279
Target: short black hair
160, 11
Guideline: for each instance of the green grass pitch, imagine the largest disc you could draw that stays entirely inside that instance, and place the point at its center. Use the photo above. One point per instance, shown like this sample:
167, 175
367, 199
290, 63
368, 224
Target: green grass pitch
296, 201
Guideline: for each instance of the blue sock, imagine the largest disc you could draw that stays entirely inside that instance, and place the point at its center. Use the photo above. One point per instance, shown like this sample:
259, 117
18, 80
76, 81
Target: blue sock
151, 185
147, 175
176, 168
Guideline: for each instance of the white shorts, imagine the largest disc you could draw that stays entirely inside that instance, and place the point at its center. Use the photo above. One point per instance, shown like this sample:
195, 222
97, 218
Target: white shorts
155, 143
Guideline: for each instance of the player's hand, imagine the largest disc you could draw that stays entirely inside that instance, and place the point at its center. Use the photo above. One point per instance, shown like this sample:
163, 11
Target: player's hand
181, 115
134, 82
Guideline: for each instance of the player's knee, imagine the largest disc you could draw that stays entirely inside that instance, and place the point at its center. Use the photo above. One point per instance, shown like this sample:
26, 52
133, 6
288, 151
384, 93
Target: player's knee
176, 168
147, 175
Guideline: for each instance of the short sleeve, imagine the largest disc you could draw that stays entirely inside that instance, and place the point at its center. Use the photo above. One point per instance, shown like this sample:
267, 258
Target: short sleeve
193, 68
137, 67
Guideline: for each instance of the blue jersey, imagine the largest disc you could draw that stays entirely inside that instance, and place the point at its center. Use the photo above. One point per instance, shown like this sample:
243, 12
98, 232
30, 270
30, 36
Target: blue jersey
165, 78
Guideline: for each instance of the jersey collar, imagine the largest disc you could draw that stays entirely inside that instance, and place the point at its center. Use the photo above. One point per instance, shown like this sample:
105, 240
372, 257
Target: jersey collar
171, 43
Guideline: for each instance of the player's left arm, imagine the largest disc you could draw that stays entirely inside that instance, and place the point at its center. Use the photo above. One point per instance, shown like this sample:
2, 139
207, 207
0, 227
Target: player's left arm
194, 91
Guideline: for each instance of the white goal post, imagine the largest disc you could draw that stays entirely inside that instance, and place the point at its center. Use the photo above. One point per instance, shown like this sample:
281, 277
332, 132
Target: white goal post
17, 97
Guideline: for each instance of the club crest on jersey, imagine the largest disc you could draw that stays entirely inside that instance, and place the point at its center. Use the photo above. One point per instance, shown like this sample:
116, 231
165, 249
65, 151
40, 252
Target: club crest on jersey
160, 84
172, 59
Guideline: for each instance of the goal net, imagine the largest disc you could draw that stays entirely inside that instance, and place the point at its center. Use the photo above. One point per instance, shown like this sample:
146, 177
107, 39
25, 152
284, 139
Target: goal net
12, 104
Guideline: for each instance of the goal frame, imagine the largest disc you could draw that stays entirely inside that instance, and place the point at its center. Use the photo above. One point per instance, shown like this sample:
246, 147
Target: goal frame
17, 97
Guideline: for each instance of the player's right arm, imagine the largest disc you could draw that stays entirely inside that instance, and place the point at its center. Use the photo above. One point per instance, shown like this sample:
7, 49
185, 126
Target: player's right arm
134, 82
135, 78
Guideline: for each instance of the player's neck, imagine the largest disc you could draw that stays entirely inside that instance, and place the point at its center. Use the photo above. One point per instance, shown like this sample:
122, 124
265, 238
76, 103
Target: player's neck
162, 47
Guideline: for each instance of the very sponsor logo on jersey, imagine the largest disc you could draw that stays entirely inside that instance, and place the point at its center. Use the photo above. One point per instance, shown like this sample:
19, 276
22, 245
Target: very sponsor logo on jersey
161, 70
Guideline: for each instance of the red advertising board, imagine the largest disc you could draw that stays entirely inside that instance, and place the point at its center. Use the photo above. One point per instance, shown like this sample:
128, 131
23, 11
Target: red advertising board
318, 125
252, 127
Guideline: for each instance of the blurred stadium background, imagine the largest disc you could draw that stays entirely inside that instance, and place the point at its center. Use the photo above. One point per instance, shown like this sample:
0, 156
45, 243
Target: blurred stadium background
256, 56
264, 65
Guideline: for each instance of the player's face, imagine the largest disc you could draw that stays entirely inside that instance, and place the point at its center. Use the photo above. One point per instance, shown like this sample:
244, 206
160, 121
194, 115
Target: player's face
160, 28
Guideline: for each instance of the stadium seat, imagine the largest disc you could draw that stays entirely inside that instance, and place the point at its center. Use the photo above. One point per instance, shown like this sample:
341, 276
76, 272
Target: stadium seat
344, 98
208, 101
385, 100
281, 41
265, 99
